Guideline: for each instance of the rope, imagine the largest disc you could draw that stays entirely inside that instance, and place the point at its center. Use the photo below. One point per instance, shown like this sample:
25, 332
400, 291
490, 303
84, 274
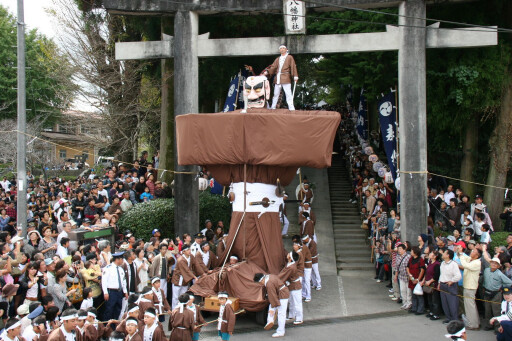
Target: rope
241, 311
462, 296
451, 178
82, 151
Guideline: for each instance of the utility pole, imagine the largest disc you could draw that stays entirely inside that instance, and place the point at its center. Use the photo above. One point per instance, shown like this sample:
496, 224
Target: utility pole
21, 203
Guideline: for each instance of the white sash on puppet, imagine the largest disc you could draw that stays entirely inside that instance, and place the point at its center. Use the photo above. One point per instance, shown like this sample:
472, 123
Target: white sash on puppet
255, 192
148, 332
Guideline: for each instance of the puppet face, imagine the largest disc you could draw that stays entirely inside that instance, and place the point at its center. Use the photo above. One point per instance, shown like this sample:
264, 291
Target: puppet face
257, 91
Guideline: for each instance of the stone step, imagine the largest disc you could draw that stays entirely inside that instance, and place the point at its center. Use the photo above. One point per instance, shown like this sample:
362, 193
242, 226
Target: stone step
351, 230
354, 253
362, 273
352, 245
354, 259
361, 266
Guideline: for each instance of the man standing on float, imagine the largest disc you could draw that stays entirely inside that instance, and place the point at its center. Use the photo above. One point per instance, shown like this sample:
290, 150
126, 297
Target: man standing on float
284, 68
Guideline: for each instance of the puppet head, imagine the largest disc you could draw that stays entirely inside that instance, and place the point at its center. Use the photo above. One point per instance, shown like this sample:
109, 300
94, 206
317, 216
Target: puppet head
256, 92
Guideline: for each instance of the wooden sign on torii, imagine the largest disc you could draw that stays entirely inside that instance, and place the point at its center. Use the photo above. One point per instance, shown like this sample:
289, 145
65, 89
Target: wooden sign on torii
411, 38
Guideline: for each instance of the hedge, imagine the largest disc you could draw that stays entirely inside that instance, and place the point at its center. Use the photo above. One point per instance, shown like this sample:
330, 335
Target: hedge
142, 218
159, 213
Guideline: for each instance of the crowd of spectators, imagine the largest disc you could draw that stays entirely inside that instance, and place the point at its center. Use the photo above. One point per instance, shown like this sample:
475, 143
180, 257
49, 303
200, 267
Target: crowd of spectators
449, 272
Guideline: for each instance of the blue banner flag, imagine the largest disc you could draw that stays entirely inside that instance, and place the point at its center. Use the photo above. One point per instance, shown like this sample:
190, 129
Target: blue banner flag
362, 114
387, 119
231, 99
243, 76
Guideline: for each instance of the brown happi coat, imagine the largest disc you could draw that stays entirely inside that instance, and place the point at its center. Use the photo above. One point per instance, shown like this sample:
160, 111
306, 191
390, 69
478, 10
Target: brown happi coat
135, 337
183, 269
288, 71
312, 216
300, 264
199, 266
291, 274
156, 266
166, 306
307, 228
158, 334
182, 324
308, 261
91, 333
312, 246
121, 327
143, 306
276, 290
228, 319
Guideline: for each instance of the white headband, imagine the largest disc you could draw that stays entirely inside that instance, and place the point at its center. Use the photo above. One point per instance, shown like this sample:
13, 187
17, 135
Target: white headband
233, 257
155, 280
91, 314
149, 314
70, 317
280, 46
82, 317
457, 334
16, 325
223, 296
134, 309
192, 297
306, 236
131, 322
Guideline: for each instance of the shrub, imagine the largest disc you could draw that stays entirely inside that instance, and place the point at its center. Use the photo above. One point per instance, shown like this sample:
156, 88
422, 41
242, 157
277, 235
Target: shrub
214, 207
159, 214
144, 217
498, 239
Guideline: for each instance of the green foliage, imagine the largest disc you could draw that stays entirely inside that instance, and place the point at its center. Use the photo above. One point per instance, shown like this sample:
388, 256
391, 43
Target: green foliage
48, 75
159, 214
498, 239
214, 207
144, 217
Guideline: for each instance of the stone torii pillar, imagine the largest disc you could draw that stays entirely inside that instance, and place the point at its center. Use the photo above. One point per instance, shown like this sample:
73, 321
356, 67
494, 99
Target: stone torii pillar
412, 106
186, 97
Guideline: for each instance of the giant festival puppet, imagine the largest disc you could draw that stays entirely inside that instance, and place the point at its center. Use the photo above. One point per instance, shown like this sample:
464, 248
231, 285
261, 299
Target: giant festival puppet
255, 152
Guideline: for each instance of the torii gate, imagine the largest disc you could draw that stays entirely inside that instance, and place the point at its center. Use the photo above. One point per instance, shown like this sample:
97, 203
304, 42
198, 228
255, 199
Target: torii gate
411, 39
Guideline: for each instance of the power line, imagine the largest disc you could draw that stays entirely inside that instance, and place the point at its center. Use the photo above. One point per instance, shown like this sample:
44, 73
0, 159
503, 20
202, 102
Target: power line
403, 16
484, 29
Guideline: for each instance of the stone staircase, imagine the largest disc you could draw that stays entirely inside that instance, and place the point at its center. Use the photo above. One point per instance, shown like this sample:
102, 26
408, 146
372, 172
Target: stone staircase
352, 250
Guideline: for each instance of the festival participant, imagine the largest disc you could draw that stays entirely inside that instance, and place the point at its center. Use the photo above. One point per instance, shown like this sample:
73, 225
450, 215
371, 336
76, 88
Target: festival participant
290, 276
80, 324
505, 319
308, 268
132, 330
456, 331
278, 295
182, 320
307, 226
114, 286
315, 273
282, 215
284, 68
227, 317
159, 299
161, 266
182, 275
198, 317
36, 331
133, 312
205, 260
145, 301
13, 330
66, 331
152, 330
306, 207
94, 330
305, 193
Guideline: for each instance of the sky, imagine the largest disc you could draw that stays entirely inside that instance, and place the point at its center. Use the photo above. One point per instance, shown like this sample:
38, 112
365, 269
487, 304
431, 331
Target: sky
35, 15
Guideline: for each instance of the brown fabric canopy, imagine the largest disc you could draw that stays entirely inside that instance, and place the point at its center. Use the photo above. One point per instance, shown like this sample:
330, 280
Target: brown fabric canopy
261, 137
238, 282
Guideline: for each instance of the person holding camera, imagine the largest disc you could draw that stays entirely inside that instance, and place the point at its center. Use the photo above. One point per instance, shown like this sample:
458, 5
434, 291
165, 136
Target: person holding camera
507, 216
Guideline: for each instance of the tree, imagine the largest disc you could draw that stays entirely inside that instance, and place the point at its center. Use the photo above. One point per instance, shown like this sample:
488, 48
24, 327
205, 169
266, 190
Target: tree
48, 74
122, 91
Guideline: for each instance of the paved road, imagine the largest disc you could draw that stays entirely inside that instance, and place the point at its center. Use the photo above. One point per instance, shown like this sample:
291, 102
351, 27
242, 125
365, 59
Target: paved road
402, 327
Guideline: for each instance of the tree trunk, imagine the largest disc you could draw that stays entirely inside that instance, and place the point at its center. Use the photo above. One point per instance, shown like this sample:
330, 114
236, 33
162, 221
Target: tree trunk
501, 149
470, 157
